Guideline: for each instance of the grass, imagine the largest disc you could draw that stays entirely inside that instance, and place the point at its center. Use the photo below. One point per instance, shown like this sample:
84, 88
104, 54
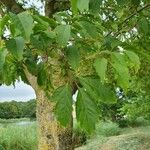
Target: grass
108, 136
18, 137
107, 129
134, 141
100, 136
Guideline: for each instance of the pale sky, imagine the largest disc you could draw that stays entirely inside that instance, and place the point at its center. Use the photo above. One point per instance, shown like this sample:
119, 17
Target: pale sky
21, 92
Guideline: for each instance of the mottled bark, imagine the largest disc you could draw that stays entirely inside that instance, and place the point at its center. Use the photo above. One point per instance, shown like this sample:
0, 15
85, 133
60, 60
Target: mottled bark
52, 136
47, 124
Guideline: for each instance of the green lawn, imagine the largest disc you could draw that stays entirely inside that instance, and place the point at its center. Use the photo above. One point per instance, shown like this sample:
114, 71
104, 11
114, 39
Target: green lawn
18, 137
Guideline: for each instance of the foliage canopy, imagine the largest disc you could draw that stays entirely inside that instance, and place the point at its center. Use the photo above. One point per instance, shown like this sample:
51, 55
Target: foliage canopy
94, 44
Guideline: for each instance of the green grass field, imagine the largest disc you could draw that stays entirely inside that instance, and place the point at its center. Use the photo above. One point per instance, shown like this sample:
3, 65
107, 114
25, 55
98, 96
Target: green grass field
108, 136
18, 137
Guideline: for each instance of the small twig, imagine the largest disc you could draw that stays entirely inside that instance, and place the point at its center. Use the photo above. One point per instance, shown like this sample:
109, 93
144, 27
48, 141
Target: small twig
131, 16
138, 11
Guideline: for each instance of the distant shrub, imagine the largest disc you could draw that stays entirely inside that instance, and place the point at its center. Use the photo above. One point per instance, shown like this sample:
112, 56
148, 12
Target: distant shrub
107, 129
123, 122
140, 121
14, 109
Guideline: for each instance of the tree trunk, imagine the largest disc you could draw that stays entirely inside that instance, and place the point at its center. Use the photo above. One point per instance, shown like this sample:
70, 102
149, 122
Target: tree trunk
51, 135
46, 124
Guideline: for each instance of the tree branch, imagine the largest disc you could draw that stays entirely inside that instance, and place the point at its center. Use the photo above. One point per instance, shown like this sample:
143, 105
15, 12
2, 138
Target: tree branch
53, 6
31, 78
138, 11
128, 18
12, 6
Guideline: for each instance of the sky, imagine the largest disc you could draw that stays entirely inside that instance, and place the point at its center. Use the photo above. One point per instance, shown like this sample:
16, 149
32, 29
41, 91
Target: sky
21, 92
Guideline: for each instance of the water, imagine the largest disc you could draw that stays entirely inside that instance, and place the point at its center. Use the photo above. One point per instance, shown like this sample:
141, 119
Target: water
24, 123
17, 123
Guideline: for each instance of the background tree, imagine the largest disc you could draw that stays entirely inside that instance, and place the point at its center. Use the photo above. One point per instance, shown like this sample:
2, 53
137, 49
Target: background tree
16, 109
87, 47
8, 110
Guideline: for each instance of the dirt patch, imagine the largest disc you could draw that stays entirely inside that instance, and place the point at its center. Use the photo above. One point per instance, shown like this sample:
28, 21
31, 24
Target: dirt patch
136, 141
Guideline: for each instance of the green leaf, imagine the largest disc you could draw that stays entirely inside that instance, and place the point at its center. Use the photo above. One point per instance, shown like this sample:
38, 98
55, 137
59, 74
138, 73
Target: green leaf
134, 59
52, 23
73, 56
50, 34
31, 64
122, 75
135, 2
3, 53
41, 21
16, 46
41, 75
89, 28
63, 109
112, 42
98, 91
86, 110
83, 5
94, 5
143, 26
3, 22
101, 68
36, 42
118, 57
121, 2
107, 94
23, 22
62, 34
42, 41
41, 25
92, 85
74, 6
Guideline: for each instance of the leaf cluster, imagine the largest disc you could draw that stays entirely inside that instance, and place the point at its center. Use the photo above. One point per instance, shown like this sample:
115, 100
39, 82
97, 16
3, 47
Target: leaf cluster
92, 47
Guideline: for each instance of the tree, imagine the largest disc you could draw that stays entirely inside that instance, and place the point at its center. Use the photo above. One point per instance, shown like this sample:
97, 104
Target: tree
16, 109
8, 110
84, 45
138, 99
29, 109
